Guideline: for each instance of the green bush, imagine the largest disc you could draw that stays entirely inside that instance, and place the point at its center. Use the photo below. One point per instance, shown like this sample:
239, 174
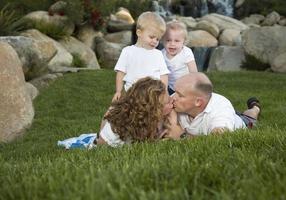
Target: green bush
111, 6
263, 7
8, 21
22, 7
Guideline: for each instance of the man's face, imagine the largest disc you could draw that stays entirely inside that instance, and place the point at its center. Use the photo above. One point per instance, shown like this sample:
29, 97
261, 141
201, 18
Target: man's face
184, 99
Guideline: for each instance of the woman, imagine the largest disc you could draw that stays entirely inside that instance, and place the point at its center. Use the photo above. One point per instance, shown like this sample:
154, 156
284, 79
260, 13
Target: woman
138, 115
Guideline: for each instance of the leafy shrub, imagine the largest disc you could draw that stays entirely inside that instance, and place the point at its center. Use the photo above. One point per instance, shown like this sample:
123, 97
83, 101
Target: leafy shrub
22, 7
77, 61
263, 7
111, 6
253, 63
55, 31
8, 22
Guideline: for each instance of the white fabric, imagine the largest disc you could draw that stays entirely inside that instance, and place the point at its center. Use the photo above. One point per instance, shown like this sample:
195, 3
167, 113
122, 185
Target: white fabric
178, 64
219, 113
109, 136
137, 62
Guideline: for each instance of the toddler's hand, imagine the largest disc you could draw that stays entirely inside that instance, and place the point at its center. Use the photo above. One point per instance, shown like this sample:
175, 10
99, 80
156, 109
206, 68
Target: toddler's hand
116, 96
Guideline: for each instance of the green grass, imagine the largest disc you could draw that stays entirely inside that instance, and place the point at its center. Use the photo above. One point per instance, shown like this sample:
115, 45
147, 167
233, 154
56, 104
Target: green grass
247, 164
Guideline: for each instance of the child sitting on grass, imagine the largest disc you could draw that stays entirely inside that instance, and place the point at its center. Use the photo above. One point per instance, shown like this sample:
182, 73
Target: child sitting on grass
179, 58
142, 59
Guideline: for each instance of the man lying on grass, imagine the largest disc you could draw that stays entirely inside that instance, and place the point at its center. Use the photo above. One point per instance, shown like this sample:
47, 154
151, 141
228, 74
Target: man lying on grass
138, 115
200, 111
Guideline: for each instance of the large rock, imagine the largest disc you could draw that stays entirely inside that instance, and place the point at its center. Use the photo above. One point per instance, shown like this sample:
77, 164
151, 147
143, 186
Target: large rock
209, 27
230, 37
253, 19
190, 22
62, 57
201, 38
34, 54
122, 37
108, 52
43, 17
87, 34
278, 64
74, 46
15, 103
116, 26
224, 22
264, 43
226, 58
271, 19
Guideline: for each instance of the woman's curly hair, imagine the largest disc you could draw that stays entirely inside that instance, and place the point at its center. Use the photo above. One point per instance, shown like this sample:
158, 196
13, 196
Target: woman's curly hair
136, 115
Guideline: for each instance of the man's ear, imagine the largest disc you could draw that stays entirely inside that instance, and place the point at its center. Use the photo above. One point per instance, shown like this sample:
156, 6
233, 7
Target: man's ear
199, 101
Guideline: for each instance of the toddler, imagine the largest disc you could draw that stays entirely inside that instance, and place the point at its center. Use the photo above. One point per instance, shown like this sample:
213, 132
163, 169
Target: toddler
179, 58
142, 59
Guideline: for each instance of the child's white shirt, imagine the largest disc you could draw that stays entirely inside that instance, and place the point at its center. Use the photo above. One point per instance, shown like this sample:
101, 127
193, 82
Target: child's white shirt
137, 62
178, 64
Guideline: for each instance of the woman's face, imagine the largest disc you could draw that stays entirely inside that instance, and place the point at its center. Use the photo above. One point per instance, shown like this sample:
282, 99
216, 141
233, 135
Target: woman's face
167, 102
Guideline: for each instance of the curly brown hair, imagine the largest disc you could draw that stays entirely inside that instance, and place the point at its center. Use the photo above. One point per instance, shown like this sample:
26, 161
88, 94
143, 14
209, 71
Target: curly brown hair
136, 115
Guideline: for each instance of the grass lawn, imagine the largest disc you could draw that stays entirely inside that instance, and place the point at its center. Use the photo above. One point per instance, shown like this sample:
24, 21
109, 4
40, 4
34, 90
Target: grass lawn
246, 164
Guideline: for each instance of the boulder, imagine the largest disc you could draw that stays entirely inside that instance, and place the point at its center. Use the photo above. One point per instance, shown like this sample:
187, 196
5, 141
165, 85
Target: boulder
34, 54
209, 27
271, 19
201, 38
190, 22
123, 15
43, 17
74, 46
224, 22
116, 26
264, 43
87, 34
122, 37
16, 106
282, 22
226, 58
253, 19
62, 57
32, 90
230, 37
108, 52
278, 64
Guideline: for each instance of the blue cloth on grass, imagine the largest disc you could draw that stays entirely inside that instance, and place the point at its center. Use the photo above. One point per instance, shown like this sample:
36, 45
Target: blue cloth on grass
83, 141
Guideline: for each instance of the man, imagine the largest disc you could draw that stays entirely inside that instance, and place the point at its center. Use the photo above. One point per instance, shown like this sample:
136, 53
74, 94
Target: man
200, 111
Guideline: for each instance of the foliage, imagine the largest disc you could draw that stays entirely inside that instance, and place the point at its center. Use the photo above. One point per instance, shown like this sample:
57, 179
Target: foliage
253, 63
263, 7
77, 61
55, 31
247, 164
22, 7
74, 10
111, 6
9, 22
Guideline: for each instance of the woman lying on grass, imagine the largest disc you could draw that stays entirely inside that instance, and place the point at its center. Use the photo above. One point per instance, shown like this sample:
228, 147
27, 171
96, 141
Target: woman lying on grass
138, 115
